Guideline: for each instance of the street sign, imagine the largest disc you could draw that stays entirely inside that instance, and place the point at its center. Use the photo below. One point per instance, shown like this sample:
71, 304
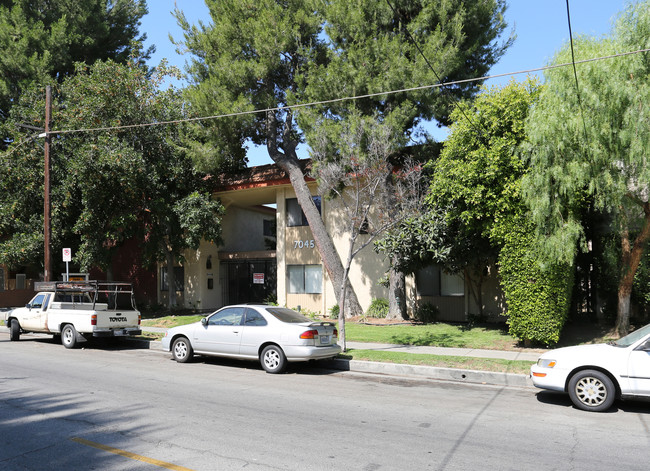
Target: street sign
67, 255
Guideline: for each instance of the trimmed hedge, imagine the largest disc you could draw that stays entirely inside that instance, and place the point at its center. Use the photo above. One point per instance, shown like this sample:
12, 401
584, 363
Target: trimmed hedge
538, 293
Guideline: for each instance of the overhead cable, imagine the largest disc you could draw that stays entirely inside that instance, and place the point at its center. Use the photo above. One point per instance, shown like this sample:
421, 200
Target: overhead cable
444, 87
575, 71
338, 100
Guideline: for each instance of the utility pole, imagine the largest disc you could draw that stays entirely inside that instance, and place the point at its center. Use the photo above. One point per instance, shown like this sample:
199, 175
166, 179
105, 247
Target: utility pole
46, 212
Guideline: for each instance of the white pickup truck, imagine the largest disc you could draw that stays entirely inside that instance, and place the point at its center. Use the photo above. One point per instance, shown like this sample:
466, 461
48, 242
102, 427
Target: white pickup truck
77, 310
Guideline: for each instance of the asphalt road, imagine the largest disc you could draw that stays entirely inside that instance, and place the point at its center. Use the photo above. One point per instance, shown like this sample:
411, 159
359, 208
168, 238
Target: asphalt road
115, 407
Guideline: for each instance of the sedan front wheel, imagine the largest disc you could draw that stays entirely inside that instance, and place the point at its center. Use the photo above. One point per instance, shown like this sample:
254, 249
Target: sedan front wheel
182, 350
592, 390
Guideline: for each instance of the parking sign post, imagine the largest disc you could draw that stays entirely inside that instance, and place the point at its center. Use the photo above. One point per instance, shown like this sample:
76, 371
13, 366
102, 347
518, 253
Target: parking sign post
67, 257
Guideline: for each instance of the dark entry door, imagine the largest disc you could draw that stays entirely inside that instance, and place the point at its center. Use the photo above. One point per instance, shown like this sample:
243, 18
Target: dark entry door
251, 281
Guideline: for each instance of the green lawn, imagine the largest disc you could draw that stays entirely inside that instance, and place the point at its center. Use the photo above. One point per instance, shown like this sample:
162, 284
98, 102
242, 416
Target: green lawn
438, 335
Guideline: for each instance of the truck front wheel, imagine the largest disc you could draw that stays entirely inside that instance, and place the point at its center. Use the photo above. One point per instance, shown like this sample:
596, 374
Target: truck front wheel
14, 330
69, 336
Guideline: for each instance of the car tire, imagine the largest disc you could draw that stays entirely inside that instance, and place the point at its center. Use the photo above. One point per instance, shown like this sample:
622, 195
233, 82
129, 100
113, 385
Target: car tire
14, 330
182, 350
69, 336
592, 390
273, 359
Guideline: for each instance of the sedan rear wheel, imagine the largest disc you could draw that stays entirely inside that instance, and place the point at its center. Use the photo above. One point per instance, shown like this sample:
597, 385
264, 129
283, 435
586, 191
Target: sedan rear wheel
273, 359
182, 350
592, 390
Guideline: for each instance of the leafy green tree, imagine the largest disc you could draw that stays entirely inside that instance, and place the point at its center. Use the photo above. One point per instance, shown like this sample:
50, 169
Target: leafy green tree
589, 145
41, 39
266, 55
108, 185
476, 181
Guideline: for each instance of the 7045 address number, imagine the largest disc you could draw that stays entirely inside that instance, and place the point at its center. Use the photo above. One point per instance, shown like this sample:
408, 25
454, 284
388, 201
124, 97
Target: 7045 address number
303, 244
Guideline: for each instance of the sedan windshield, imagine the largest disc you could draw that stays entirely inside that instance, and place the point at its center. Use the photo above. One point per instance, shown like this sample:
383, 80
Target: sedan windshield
633, 337
287, 315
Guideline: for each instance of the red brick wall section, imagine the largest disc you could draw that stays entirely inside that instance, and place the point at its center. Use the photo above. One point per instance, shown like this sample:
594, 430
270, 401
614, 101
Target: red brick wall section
16, 297
127, 266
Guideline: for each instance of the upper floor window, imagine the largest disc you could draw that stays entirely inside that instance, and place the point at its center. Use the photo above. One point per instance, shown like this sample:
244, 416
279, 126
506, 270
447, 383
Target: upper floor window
295, 216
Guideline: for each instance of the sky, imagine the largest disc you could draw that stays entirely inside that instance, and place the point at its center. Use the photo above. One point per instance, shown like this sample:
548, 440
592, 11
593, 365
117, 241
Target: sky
540, 27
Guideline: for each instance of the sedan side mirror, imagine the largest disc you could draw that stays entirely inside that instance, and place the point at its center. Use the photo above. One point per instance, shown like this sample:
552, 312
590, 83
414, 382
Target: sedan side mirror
204, 321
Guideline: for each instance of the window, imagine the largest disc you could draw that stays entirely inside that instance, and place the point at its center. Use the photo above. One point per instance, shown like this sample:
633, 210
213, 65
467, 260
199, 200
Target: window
295, 216
38, 301
307, 279
20, 281
254, 318
179, 274
433, 281
227, 316
451, 284
428, 281
287, 315
269, 227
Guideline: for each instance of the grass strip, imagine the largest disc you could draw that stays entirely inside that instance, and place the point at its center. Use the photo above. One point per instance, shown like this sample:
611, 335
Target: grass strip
171, 321
443, 361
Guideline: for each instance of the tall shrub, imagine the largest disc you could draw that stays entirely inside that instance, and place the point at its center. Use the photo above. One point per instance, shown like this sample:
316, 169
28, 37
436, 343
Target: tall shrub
538, 292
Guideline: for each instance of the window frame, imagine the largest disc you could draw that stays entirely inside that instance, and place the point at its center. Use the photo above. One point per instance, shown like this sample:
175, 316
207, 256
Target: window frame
299, 220
179, 272
299, 284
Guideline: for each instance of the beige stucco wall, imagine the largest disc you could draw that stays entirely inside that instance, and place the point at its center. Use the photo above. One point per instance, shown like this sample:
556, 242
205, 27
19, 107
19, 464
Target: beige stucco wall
197, 295
242, 228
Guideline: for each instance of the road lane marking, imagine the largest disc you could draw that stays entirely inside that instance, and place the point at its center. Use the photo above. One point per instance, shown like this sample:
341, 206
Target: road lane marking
130, 455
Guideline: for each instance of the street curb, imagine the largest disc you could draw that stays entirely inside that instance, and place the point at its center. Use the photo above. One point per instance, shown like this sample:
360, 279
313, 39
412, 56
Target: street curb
434, 372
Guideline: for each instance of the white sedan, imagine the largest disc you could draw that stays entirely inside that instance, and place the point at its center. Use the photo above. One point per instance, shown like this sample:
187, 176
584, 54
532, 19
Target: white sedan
273, 335
595, 375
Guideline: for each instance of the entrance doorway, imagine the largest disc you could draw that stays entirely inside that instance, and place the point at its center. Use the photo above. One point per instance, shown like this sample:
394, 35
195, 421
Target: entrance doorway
248, 281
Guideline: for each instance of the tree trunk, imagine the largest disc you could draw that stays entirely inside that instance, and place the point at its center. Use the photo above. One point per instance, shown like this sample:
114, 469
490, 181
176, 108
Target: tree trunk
171, 280
623, 310
475, 289
342, 339
396, 294
332, 262
631, 260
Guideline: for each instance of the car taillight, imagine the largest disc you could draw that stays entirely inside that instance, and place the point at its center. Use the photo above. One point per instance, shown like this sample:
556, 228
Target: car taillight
309, 334
93, 319
139, 318
336, 333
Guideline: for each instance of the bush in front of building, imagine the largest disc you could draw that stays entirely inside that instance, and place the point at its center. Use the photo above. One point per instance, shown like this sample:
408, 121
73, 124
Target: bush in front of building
378, 308
426, 313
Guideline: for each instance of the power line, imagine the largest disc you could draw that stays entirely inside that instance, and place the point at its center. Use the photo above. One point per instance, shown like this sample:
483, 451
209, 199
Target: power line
338, 100
575, 71
417, 46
